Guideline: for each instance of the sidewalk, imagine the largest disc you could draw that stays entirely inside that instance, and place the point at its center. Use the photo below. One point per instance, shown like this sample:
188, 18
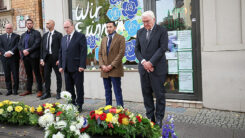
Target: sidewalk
189, 122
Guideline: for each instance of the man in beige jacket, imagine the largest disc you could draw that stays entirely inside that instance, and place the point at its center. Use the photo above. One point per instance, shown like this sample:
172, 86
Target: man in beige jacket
111, 52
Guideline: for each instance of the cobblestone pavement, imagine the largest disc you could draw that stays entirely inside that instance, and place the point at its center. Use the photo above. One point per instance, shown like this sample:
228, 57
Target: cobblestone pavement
234, 121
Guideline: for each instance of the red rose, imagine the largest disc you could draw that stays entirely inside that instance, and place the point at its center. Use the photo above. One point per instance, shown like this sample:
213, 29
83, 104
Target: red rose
44, 105
110, 125
103, 116
138, 118
58, 113
92, 113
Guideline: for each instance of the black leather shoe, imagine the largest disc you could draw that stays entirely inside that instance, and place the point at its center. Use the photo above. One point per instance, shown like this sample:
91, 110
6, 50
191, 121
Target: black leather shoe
1, 93
159, 123
15, 93
80, 109
58, 96
45, 96
8, 93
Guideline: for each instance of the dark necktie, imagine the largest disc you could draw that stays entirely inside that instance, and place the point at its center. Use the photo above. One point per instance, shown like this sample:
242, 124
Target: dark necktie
148, 34
109, 44
48, 45
8, 38
68, 40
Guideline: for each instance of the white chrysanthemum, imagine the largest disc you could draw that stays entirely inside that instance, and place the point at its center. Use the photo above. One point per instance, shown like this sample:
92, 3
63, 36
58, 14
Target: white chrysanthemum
73, 128
115, 120
10, 109
47, 111
1, 111
58, 135
84, 135
46, 133
65, 95
70, 107
81, 122
46, 119
57, 118
77, 132
60, 124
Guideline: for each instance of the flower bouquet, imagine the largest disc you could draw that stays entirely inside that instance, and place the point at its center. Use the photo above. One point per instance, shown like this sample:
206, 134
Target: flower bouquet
16, 113
118, 121
62, 120
168, 128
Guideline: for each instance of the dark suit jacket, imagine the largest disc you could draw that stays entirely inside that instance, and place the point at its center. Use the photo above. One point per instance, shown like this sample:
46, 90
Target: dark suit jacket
33, 44
114, 58
11, 46
153, 50
55, 46
73, 56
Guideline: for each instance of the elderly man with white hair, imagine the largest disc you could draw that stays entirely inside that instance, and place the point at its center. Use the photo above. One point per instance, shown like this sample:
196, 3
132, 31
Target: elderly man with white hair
151, 45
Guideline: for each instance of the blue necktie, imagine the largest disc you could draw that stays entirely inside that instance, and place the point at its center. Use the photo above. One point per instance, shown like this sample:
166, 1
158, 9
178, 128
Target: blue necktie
109, 44
68, 41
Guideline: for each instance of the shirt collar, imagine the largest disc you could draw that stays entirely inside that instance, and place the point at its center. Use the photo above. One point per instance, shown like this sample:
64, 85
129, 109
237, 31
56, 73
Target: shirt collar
72, 34
52, 32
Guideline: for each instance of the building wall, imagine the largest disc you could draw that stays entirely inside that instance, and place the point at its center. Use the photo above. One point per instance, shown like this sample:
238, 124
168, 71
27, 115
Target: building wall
223, 45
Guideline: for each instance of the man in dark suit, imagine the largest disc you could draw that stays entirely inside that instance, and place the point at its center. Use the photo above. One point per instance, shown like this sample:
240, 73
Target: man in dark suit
72, 61
111, 52
29, 46
49, 58
151, 44
10, 58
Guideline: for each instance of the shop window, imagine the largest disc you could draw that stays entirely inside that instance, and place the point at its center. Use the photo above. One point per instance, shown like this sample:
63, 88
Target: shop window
90, 17
175, 15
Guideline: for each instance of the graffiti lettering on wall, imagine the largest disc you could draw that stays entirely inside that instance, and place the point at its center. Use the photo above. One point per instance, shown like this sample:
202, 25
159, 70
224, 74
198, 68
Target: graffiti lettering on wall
92, 17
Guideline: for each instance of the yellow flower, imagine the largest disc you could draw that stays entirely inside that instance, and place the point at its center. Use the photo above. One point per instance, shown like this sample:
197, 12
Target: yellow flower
6, 101
125, 121
108, 107
118, 110
32, 109
1, 111
39, 109
140, 116
108, 117
152, 124
99, 112
10, 109
18, 108
48, 105
57, 103
1, 104
26, 109
10, 102
52, 110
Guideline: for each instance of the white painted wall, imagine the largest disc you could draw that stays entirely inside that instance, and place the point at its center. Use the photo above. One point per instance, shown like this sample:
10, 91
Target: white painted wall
223, 54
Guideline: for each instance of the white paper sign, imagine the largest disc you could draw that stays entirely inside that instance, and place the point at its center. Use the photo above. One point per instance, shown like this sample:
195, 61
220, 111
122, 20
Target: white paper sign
185, 82
172, 67
185, 60
184, 39
171, 55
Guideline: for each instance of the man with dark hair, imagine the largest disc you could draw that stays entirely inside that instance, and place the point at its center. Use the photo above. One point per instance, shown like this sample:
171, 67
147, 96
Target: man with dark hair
111, 52
151, 45
50, 58
72, 61
10, 59
29, 46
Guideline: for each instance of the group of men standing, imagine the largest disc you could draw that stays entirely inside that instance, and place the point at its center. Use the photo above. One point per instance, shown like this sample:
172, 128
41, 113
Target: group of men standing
68, 54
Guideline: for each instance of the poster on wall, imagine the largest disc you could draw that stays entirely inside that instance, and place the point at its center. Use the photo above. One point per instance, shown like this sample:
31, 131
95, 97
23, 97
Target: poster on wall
185, 60
184, 39
186, 81
172, 67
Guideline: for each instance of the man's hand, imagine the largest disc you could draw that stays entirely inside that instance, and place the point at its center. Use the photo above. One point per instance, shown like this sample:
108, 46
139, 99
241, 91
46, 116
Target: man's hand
104, 68
61, 70
8, 54
147, 65
80, 69
57, 62
42, 63
25, 52
109, 67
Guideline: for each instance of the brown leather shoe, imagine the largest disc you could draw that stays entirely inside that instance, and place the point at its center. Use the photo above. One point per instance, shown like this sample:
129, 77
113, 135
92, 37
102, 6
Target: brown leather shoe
39, 93
25, 93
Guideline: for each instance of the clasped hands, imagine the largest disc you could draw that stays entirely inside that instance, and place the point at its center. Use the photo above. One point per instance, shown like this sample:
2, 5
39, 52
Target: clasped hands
106, 68
148, 66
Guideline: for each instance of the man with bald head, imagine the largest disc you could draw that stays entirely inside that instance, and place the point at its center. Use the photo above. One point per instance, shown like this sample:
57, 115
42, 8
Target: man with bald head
72, 62
50, 47
10, 58
151, 45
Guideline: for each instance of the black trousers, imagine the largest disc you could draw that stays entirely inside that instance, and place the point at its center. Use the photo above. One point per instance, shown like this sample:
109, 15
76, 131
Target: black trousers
50, 63
11, 65
153, 83
75, 78
32, 65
